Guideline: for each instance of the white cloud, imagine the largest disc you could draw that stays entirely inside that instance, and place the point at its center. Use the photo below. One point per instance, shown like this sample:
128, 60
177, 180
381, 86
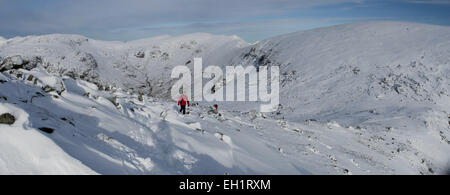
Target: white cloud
97, 16
430, 1
251, 31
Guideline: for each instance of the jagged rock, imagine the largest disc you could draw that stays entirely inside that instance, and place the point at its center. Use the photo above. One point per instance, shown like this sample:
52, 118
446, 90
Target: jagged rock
89, 75
100, 87
140, 54
7, 118
17, 62
47, 89
58, 88
30, 77
263, 60
72, 74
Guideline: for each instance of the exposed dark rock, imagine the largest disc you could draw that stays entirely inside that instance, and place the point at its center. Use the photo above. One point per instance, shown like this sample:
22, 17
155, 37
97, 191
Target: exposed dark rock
17, 62
59, 88
72, 74
356, 70
100, 87
89, 75
46, 130
263, 60
165, 56
47, 89
67, 120
30, 77
140, 54
7, 118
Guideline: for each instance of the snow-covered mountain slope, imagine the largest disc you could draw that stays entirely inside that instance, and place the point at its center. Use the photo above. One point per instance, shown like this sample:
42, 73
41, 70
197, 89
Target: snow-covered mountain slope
388, 77
355, 67
362, 98
86, 131
116, 133
141, 66
2, 40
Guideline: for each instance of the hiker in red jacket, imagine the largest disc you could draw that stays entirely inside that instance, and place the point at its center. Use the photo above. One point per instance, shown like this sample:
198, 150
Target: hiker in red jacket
182, 103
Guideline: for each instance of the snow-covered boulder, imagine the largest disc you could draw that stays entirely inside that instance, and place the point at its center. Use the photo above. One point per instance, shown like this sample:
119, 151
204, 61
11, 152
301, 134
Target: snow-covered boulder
24, 150
17, 62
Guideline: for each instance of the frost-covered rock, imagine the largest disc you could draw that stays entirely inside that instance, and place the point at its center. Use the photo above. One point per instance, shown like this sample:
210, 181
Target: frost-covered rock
121, 64
17, 62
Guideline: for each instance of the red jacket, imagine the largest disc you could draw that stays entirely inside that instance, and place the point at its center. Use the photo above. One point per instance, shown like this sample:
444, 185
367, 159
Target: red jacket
182, 101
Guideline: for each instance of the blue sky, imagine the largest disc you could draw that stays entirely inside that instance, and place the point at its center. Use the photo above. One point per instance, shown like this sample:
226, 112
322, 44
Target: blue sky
252, 20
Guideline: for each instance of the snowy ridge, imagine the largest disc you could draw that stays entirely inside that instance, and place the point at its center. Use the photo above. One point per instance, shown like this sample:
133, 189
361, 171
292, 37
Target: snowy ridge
362, 98
2, 40
382, 76
140, 66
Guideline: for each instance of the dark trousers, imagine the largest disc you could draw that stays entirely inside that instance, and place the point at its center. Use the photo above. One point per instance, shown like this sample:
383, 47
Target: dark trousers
183, 108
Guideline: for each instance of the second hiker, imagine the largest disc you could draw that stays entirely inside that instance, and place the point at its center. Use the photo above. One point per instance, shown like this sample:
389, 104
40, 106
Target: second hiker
182, 103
